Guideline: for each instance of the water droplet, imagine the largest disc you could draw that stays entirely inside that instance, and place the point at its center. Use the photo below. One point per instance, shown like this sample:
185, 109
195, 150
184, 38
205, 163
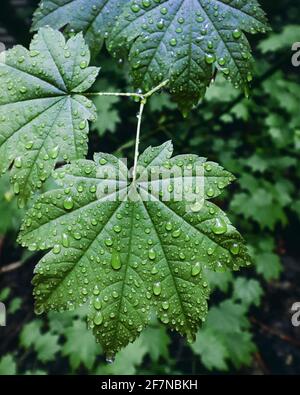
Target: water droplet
173, 42
169, 226
210, 58
235, 248
210, 192
23, 89
65, 240
39, 310
176, 233
96, 290
97, 303
196, 207
98, 319
103, 161
196, 269
54, 152
191, 337
29, 144
109, 242
219, 226
154, 270
34, 53
117, 228
146, 3
135, 7
236, 34
56, 249
83, 64
18, 162
115, 294
152, 254
68, 203
116, 261
16, 188
157, 288
110, 358
82, 125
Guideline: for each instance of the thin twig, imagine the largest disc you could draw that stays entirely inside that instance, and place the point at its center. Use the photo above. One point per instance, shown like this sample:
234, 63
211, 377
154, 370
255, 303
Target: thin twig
261, 363
138, 95
274, 332
11, 267
156, 89
143, 100
141, 96
137, 139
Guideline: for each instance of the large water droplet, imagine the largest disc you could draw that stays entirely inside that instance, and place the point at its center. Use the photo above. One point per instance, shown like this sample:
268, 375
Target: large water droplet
39, 310
98, 319
219, 226
235, 248
157, 288
152, 254
196, 269
18, 162
97, 303
176, 233
68, 203
196, 207
56, 249
96, 290
116, 261
109, 242
110, 358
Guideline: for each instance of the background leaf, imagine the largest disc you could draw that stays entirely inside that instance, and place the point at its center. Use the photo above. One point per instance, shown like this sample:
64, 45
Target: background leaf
95, 19
43, 117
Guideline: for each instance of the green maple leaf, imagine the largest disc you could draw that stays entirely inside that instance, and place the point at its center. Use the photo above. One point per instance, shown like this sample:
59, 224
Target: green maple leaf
46, 347
44, 344
211, 349
225, 337
159, 347
30, 333
95, 19
87, 352
108, 117
8, 365
128, 257
268, 265
249, 292
278, 41
183, 40
127, 361
43, 116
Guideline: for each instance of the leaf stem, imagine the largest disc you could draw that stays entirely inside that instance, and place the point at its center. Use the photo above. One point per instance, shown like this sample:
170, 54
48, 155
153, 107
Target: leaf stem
137, 138
156, 89
143, 100
138, 95
139, 124
141, 96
